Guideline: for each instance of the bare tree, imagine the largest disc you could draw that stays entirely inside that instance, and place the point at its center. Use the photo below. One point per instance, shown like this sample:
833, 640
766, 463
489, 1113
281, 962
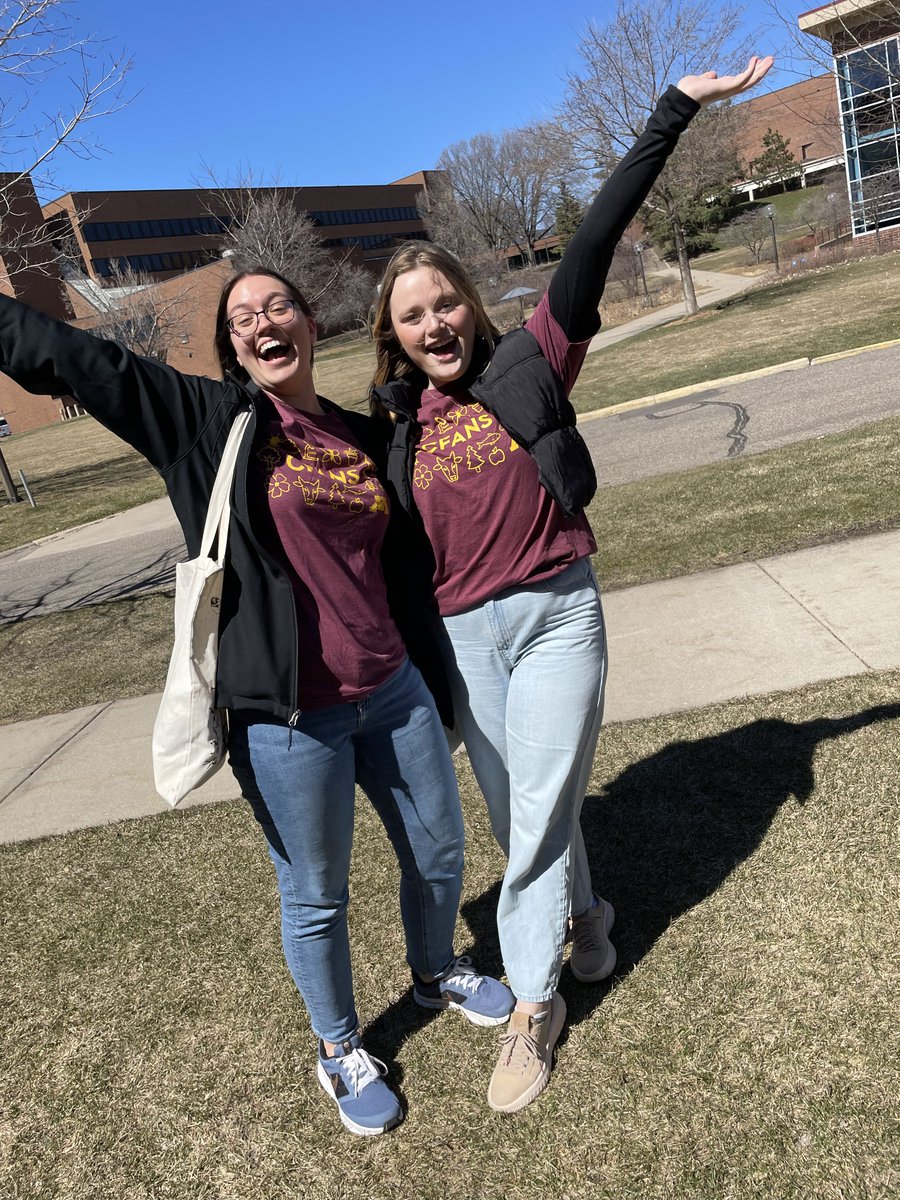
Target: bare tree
753, 230
533, 163
262, 225
825, 209
148, 317
626, 65
504, 190
812, 40
879, 203
39, 43
450, 225
349, 302
474, 168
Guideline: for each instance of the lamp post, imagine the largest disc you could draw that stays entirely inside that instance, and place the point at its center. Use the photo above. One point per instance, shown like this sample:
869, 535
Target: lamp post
8, 486
769, 210
639, 251
832, 201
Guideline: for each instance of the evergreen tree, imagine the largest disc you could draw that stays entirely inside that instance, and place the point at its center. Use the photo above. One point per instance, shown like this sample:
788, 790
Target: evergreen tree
777, 160
568, 217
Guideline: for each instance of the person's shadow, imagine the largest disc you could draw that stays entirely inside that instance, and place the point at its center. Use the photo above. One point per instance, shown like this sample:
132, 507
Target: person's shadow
661, 837
666, 832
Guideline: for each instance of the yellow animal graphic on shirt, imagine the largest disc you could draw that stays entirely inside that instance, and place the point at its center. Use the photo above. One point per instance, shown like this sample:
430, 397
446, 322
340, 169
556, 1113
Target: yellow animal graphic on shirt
466, 438
342, 477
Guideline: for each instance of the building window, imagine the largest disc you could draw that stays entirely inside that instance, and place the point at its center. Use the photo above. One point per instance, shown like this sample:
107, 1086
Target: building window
870, 99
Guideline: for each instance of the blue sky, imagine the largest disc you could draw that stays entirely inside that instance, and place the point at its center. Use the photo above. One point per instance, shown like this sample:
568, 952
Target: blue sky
338, 92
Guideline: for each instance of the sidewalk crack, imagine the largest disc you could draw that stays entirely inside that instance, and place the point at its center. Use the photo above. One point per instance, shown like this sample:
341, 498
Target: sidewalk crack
30, 774
819, 620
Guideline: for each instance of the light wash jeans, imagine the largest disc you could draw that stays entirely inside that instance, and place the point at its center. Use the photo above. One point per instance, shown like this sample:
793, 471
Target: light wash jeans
300, 784
528, 670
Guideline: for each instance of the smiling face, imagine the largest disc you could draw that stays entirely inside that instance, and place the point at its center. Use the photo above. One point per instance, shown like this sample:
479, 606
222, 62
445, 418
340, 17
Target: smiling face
433, 324
276, 357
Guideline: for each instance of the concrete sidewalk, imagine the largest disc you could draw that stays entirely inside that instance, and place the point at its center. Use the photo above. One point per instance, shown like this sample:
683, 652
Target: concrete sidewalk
712, 288
750, 629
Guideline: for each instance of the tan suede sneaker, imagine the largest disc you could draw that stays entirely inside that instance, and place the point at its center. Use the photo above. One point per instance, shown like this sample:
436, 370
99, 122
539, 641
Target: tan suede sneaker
526, 1056
593, 955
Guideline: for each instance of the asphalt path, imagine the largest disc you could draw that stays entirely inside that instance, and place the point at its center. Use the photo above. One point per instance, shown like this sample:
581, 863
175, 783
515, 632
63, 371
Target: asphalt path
744, 418
136, 551
126, 555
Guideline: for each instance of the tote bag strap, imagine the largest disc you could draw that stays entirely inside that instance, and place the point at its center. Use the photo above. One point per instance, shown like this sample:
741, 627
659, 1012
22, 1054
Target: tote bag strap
219, 513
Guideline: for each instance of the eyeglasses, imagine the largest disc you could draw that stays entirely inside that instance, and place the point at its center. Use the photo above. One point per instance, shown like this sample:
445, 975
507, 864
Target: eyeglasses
279, 312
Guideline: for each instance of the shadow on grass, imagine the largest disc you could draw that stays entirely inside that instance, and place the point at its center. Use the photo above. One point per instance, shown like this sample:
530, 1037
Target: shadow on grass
661, 838
669, 830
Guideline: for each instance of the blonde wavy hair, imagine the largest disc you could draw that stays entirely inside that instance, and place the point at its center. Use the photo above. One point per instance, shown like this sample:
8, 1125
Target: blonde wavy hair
390, 360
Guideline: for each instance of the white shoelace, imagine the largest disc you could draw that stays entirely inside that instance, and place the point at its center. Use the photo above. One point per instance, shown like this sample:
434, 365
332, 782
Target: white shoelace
362, 1069
462, 974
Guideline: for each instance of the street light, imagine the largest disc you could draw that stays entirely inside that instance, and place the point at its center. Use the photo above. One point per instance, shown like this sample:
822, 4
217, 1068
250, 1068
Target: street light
639, 251
832, 201
769, 210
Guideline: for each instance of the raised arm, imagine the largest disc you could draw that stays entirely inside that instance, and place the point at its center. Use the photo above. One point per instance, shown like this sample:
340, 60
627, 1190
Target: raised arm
579, 280
153, 407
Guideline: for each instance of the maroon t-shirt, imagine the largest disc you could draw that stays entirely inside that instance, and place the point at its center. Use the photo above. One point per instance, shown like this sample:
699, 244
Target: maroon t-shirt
491, 524
323, 513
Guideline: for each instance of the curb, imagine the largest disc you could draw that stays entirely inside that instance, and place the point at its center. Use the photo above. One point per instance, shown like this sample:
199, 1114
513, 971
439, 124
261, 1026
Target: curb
825, 358
793, 364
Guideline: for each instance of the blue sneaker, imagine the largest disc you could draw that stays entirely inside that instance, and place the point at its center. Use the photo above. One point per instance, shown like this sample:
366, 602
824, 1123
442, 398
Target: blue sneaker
480, 999
354, 1081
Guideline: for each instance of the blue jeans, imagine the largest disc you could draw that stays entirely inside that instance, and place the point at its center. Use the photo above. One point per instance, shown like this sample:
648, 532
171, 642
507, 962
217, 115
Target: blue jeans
528, 670
300, 783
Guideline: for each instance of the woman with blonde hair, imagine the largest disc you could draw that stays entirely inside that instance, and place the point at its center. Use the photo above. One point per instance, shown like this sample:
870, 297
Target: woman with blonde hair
486, 457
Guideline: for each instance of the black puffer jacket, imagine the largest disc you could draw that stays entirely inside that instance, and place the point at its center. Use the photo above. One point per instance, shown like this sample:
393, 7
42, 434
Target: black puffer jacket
180, 424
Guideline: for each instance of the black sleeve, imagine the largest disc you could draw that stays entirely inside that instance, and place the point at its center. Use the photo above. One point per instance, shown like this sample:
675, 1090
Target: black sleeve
151, 406
580, 278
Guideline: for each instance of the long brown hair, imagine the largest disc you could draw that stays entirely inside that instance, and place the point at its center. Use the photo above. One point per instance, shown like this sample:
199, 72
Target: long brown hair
225, 354
390, 360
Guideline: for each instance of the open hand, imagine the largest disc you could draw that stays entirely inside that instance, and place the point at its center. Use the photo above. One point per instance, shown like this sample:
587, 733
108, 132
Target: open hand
709, 87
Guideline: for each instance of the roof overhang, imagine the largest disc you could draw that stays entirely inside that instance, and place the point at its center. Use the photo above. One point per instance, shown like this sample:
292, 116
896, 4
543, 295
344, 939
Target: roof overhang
829, 20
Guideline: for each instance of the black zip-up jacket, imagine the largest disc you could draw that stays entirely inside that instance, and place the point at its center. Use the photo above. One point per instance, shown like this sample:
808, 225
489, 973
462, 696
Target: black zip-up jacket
180, 424
518, 385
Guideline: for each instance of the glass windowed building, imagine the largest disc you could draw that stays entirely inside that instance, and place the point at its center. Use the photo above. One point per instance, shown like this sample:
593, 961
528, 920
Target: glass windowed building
865, 39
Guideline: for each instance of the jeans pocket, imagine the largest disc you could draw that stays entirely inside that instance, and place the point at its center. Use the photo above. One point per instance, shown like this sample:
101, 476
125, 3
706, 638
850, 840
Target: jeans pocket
572, 578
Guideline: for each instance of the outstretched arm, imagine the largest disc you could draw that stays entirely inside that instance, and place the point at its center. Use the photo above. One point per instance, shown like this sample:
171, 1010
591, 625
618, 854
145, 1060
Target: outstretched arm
579, 280
153, 407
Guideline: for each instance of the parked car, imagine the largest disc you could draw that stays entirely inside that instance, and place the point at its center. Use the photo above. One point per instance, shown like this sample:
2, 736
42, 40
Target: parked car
5, 430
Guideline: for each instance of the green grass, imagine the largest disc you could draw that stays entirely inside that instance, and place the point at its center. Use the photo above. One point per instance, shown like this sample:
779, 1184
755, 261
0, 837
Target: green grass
91, 655
78, 472
787, 226
153, 1045
832, 487
835, 308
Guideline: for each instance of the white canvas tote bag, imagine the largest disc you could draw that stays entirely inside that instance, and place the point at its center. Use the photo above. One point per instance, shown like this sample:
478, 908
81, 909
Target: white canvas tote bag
189, 736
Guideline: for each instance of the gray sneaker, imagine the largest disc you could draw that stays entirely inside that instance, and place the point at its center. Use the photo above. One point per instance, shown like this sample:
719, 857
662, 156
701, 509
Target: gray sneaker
593, 955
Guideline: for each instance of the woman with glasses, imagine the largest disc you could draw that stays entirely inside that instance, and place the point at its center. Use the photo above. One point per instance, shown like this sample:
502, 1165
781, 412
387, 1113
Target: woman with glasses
486, 455
312, 667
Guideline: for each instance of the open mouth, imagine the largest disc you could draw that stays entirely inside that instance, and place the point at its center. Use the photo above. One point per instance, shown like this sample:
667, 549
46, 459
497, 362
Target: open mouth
271, 351
445, 351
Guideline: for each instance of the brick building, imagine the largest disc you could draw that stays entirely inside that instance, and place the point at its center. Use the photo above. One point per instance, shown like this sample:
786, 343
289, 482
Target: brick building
805, 114
164, 233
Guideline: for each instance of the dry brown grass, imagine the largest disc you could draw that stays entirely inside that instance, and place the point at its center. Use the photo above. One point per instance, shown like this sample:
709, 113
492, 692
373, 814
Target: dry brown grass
154, 1048
78, 472
836, 308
